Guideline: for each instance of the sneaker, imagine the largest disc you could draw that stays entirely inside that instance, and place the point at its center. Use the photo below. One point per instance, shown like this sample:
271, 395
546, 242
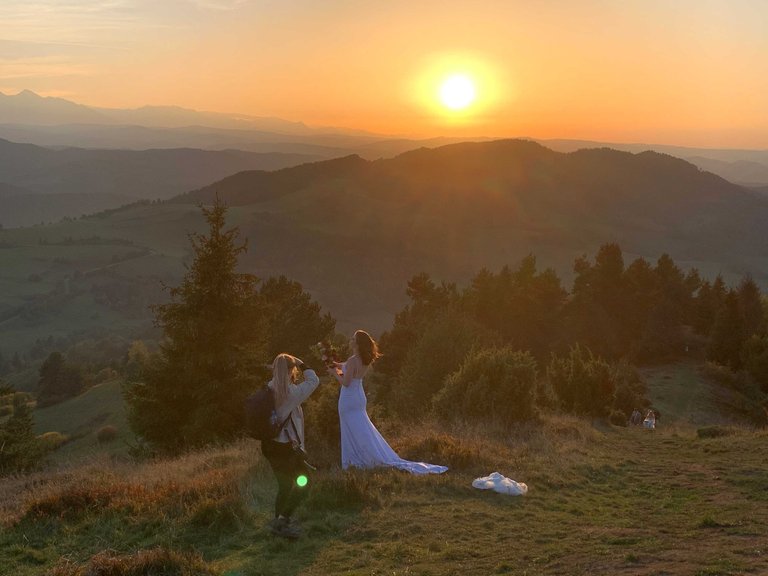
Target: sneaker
285, 528
294, 525
275, 524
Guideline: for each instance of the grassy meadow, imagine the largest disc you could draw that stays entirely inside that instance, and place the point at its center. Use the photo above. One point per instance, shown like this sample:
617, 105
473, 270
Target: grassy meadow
687, 498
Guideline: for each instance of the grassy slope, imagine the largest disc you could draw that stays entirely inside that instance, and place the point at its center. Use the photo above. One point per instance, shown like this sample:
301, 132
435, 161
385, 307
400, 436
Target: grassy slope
601, 501
80, 418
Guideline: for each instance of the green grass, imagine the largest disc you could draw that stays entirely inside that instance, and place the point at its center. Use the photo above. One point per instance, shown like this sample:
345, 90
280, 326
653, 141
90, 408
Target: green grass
601, 500
618, 501
80, 419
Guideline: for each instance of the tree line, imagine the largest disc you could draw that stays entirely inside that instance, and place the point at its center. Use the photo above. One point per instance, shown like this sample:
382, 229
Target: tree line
582, 343
504, 347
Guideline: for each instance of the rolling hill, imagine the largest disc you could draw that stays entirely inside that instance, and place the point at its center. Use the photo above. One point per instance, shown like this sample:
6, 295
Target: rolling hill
354, 231
43, 184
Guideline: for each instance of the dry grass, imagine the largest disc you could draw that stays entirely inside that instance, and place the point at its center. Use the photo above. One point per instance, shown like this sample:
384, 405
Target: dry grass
157, 561
162, 487
590, 489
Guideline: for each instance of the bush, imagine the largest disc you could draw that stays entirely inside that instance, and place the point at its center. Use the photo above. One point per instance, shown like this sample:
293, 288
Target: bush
106, 434
497, 385
618, 418
438, 352
321, 413
51, 441
583, 383
630, 389
754, 354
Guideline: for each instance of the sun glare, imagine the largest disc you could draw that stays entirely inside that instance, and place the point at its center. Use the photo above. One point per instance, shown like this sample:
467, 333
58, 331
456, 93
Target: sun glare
457, 92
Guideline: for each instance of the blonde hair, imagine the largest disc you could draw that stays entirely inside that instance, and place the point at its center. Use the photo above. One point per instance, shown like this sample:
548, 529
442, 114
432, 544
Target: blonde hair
283, 375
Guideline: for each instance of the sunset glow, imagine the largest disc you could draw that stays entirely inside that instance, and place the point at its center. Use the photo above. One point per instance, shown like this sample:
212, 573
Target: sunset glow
457, 92
687, 72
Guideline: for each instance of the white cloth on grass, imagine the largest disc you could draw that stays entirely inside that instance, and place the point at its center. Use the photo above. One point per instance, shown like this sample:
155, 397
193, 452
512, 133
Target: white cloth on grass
500, 484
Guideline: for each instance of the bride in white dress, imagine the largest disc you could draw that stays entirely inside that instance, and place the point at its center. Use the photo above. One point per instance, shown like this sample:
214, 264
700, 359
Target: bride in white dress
362, 446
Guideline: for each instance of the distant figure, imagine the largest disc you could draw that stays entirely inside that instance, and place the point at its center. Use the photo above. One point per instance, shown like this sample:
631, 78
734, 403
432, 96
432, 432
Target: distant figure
636, 418
650, 420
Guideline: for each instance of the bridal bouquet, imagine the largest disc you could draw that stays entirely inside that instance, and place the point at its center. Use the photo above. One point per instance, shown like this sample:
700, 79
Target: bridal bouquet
327, 352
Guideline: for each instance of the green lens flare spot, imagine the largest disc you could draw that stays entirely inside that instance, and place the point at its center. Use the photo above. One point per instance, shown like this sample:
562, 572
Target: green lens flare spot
302, 481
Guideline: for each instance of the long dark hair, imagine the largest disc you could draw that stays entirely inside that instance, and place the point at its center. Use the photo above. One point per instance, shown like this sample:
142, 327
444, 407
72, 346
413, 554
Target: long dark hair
367, 347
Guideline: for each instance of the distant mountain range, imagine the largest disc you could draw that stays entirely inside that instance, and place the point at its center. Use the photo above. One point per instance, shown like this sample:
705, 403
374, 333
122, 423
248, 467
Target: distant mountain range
42, 184
30, 118
353, 231
27, 107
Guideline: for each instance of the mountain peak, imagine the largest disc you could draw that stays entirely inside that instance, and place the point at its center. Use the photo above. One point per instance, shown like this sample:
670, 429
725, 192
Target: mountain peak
28, 95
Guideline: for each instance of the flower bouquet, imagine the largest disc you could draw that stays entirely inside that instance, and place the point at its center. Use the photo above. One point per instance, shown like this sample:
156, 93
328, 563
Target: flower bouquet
327, 352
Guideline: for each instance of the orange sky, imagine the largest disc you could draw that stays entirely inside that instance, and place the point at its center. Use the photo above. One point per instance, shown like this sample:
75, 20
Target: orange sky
655, 71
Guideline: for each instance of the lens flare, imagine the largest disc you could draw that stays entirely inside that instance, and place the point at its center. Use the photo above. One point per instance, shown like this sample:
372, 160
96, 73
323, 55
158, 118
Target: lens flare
302, 481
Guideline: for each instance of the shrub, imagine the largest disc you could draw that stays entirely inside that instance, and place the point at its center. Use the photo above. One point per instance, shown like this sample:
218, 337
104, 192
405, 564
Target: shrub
754, 354
497, 385
630, 389
321, 413
51, 441
617, 418
583, 383
106, 434
438, 352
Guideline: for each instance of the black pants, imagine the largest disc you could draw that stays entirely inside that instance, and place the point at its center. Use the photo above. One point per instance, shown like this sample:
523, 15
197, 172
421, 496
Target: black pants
287, 466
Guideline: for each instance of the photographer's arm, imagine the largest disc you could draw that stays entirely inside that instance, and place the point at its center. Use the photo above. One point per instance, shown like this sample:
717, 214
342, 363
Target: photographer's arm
305, 388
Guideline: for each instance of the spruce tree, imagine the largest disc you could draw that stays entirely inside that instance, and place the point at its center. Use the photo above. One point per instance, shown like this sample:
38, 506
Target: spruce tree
727, 335
20, 450
192, 392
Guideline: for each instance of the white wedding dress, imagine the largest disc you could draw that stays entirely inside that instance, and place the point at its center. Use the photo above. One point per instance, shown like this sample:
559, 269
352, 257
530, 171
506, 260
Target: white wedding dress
362, 446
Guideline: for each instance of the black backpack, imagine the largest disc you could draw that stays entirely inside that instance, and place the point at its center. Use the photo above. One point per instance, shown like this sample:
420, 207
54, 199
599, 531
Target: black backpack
260, 416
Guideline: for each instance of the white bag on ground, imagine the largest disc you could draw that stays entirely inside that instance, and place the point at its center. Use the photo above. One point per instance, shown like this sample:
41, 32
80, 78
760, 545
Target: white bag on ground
500, 484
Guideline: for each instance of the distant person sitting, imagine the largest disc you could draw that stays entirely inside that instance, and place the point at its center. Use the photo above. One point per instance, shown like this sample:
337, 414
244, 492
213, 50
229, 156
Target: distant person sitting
636, 418
650, 420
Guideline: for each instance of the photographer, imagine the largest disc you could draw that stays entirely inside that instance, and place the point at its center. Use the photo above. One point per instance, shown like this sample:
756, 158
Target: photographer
285, 453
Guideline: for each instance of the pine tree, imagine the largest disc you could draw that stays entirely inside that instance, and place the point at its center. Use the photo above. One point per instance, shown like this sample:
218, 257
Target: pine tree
727, 334
294, 322
59, 380
215, 343
751, 306
19, 448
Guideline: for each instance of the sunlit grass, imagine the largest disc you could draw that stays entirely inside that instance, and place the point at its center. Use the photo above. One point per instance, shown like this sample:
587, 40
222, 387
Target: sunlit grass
602, 500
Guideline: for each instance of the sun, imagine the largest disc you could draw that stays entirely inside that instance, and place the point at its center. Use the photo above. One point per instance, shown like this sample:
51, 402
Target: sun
457, 91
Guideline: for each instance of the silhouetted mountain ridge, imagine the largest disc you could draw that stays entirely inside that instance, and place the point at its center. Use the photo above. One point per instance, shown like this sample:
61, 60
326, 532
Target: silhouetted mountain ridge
354, 231
118, 176
499, 193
